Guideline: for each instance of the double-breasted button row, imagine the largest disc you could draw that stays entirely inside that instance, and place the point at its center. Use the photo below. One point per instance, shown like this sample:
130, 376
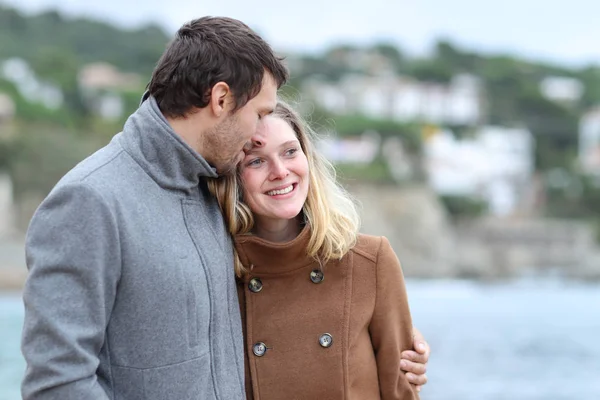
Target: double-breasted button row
260, 348
255, 285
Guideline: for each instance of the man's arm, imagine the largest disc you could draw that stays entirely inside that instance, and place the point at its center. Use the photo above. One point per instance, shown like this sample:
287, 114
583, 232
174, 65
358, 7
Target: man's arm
73, 257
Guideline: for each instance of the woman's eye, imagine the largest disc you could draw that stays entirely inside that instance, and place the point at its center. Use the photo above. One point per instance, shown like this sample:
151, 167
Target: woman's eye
255, 162
291, 151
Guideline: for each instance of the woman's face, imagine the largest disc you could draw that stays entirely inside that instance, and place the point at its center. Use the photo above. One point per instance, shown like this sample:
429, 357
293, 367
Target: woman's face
275, 174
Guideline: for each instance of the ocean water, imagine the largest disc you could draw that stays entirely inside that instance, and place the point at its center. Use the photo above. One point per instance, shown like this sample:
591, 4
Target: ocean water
12, 364
526, 340
530, 340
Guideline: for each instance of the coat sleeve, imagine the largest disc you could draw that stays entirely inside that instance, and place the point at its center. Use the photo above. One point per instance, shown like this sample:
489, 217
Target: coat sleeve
391, 326
73, 257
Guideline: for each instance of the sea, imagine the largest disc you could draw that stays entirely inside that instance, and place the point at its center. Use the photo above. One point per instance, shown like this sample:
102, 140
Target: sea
535, 339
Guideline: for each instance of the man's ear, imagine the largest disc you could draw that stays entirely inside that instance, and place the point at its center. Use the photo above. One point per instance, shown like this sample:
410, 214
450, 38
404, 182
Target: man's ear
220, 99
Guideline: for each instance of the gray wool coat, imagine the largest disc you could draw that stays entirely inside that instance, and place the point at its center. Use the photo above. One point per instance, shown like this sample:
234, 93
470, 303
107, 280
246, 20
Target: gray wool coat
131, 291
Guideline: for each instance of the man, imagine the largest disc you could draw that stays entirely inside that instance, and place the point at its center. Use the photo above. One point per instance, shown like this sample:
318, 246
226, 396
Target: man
131, 292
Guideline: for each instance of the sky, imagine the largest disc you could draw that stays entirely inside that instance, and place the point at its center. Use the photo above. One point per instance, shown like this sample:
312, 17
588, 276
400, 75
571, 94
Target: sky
561, 32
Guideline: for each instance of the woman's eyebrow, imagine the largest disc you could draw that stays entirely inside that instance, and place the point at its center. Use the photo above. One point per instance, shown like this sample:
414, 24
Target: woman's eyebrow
289, 142
256, 149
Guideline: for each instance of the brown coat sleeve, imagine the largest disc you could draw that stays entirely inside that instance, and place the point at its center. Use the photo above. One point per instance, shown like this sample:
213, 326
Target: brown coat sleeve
391, 326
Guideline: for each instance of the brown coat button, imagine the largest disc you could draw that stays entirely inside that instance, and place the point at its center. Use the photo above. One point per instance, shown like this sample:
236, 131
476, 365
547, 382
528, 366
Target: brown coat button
259, 349
317, 276
255, 285
326, 340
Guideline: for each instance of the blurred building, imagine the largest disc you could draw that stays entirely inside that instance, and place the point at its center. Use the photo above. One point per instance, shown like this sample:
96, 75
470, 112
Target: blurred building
33, 89
7, 109
6, 205
101, 84
403, 165
402, 99
357, 150
562, 89
496, 166
105, 76
589, 141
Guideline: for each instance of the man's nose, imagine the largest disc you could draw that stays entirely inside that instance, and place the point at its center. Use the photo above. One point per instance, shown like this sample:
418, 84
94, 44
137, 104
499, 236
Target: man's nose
257, 140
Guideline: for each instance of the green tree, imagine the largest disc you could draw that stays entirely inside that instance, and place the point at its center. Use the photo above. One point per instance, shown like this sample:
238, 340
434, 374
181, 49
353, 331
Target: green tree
392, 53
430, 70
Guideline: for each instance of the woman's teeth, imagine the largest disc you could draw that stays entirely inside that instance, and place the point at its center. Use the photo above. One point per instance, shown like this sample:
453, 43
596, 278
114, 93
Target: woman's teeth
282, 191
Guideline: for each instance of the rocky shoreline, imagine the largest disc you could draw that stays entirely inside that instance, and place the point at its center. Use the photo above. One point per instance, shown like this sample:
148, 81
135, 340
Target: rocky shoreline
13, 271
430, 246
12, 279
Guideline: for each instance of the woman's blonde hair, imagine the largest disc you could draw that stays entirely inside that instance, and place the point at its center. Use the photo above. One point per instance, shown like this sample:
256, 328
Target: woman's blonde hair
329, 210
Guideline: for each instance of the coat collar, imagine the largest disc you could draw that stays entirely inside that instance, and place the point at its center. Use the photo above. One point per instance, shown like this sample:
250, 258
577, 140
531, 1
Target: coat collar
267, 258
162, 153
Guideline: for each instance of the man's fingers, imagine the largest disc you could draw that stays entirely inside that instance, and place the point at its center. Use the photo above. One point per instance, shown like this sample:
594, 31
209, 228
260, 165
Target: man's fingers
414, 362
416, 379
415, 368
422, 348
415, 357
419, 342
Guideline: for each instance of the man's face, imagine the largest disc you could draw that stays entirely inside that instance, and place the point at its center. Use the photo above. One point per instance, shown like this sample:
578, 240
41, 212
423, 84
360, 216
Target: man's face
229, 138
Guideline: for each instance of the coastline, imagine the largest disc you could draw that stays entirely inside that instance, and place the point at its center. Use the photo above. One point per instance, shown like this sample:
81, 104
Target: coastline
13, 270
12, 279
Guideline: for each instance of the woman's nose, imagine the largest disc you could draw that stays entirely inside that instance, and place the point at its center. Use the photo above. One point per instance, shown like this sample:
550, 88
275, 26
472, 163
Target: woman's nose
278, 170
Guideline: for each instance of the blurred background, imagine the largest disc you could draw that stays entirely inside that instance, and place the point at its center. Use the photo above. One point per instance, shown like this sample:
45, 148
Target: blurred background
470, 133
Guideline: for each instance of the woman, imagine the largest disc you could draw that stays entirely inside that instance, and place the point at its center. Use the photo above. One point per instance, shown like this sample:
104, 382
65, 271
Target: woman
324, 308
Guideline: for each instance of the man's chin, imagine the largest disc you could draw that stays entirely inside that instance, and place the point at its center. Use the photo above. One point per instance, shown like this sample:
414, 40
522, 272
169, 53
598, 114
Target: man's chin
227, 169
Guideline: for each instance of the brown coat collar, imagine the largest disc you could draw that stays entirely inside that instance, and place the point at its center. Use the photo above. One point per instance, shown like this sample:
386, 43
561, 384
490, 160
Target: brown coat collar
270, 258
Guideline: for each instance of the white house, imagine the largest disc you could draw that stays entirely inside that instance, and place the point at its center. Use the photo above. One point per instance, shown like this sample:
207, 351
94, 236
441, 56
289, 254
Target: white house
561, 89
101, 83
401, 99
109, 106
101, 75
7, 108
30, 87
358, 150
496, 166
6, 205
589, 141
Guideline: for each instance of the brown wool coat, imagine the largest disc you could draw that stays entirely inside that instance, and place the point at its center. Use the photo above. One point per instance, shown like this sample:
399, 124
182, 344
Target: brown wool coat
361, 303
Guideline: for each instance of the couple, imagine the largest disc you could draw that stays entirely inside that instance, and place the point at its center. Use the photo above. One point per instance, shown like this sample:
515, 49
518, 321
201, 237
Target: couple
132, 290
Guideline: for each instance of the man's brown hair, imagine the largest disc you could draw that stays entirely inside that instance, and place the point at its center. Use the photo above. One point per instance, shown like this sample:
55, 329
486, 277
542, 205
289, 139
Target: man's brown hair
206, 51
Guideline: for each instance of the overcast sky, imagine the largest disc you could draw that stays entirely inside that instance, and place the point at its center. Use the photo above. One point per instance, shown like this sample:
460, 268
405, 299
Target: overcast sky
566, 33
